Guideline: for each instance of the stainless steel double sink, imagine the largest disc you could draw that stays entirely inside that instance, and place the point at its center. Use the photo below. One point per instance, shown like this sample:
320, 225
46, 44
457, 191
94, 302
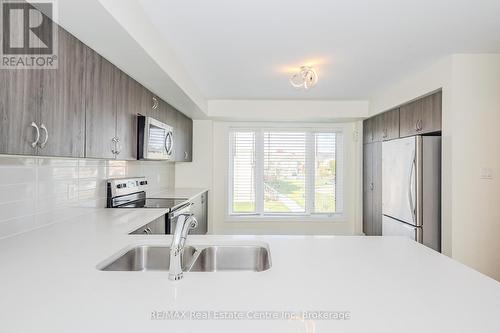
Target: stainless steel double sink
203, 258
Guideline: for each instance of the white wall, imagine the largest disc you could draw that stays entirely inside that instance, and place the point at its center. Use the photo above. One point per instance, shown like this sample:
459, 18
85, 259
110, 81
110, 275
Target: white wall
471, 114
475, 145
287, 110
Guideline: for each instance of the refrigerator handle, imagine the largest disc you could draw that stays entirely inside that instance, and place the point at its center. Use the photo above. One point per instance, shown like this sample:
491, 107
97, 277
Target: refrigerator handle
410, 192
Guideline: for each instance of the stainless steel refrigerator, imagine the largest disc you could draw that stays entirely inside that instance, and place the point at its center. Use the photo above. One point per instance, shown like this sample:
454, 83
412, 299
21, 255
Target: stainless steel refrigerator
411, 189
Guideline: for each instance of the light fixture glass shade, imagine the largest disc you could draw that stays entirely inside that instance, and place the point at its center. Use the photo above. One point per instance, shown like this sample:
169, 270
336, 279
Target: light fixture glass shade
306, 78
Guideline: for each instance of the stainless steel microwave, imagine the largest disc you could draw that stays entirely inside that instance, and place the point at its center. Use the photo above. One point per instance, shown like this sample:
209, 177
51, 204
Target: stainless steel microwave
155, 140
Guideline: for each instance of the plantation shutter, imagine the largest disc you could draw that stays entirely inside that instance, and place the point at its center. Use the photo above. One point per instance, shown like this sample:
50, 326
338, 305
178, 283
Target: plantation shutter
243, 171
284, 172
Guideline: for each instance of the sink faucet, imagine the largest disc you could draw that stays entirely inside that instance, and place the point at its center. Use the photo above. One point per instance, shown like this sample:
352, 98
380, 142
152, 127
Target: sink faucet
185, 222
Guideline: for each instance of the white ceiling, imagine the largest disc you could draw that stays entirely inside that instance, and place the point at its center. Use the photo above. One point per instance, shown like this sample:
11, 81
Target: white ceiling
245, 49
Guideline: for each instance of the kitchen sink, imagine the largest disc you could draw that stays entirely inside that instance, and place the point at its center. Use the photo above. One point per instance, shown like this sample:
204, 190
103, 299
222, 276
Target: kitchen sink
232, 258
147, 258
206, 258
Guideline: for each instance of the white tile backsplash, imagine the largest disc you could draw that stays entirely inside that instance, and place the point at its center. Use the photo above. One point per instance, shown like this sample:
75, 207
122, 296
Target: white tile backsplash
36, 191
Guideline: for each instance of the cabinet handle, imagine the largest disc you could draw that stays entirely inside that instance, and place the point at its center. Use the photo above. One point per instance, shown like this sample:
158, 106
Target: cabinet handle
34, 143
44, 143
114, 148
418, 125
185, 155
371, 186
118, 146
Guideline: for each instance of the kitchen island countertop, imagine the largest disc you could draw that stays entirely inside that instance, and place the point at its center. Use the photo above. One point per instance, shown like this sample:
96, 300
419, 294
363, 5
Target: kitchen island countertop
49, 283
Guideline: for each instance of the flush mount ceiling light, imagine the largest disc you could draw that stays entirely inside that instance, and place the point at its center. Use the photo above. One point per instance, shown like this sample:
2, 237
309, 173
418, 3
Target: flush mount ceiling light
306, 78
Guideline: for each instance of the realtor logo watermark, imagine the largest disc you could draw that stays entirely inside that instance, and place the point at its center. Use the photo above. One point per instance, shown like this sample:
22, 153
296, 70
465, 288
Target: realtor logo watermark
28, 34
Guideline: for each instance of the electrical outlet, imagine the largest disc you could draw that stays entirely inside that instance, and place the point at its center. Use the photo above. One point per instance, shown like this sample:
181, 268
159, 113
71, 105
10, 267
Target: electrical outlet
486, 173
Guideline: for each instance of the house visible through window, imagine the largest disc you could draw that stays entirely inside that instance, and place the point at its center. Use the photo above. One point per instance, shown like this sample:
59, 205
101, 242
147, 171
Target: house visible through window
284, 172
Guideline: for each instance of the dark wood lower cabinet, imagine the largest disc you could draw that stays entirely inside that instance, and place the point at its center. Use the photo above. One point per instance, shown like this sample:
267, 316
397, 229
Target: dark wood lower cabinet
200, 211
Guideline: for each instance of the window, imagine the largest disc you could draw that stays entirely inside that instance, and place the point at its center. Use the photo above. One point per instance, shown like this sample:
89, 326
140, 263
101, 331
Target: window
284, 172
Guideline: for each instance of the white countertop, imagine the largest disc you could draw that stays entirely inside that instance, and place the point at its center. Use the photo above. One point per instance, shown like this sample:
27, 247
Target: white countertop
49, 283
177, 193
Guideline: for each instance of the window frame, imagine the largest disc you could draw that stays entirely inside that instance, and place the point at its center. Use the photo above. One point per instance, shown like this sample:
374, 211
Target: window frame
259, 213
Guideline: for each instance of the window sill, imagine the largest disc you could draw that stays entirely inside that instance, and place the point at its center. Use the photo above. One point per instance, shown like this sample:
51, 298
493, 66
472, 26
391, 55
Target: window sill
334, 218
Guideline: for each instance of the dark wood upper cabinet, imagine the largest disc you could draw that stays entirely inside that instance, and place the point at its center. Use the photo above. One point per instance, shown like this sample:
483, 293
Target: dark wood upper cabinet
102, 84
378, 128
432, 113
86, 107
157, 108
20, 94
368, 134
421, 116
389, 128
50, 99
63, 101
183, 138
129, 104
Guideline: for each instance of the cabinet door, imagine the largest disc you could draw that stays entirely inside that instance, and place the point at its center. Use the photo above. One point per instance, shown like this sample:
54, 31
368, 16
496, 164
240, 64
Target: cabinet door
390, 128
158, 109
378, 127
376, 164
421, 116
101, 78
431, 113
20, 94
368, 189
146, 102
63, 101
410, 116
199, 209
368, 130
183, 138
129, 104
